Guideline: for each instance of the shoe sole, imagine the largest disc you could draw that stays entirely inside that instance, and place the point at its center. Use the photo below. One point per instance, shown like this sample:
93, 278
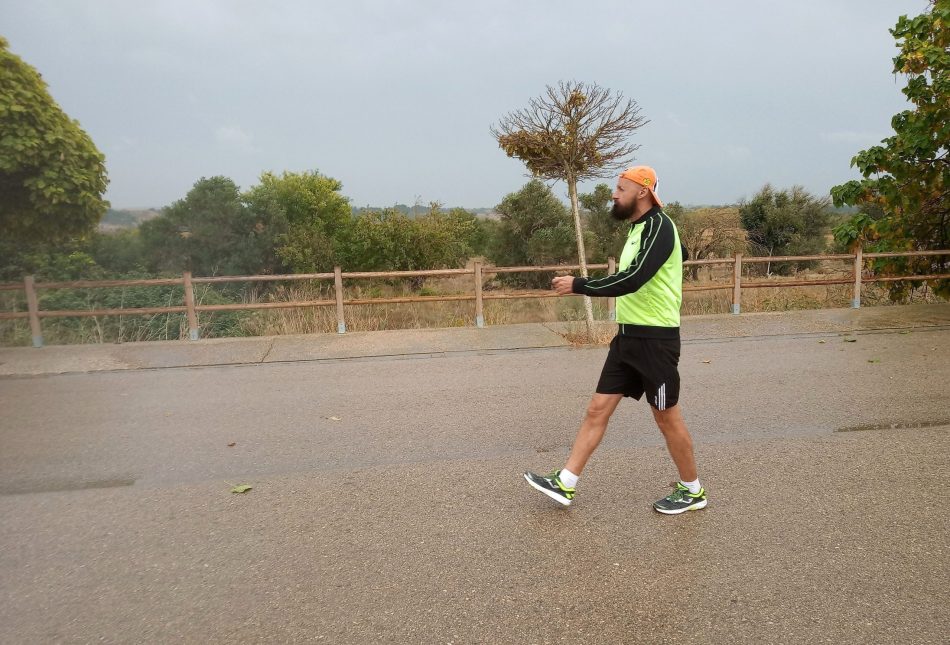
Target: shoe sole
695, 507
557, 498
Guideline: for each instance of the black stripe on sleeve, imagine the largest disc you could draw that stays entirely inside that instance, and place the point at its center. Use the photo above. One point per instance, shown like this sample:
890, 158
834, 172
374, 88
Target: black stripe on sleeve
656, 244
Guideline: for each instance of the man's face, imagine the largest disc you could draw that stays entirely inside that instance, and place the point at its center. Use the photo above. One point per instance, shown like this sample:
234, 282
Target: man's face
625, 199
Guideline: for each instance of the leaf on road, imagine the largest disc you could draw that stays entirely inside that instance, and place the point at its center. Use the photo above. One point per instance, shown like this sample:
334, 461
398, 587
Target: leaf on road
232, 444
243, 488
707, 361
874, 360
334, 418
850, 340
821, 341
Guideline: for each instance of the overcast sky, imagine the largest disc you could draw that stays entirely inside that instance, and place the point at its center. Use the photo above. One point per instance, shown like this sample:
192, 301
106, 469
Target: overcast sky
396, 98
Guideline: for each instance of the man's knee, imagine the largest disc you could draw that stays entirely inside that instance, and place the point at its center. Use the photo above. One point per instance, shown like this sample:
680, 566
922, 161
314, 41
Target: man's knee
669, 419
600, 408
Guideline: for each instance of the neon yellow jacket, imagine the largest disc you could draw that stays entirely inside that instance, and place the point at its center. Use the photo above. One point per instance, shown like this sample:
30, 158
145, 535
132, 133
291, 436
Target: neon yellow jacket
648, 284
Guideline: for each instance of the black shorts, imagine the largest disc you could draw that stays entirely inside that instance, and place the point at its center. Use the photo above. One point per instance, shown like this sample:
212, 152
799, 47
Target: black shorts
635, 366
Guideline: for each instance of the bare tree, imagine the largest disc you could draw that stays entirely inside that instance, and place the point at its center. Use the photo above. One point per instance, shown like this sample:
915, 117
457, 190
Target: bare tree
711, 233
575, 131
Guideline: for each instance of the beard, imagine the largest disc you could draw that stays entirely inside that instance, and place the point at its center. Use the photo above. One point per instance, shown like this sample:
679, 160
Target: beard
622, 213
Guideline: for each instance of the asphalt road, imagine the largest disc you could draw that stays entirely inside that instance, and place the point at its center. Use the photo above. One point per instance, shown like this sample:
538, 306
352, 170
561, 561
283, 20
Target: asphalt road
387, 503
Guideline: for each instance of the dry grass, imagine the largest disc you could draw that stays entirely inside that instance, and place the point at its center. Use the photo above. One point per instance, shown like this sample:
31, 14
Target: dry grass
323, 319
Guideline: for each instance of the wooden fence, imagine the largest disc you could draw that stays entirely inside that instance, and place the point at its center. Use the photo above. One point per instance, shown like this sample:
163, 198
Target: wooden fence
478, 272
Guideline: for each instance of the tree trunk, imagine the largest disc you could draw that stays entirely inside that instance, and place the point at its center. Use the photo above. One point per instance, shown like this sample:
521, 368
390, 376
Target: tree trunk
581, 253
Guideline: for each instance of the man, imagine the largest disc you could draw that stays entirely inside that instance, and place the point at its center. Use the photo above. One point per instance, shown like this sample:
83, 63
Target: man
643, 356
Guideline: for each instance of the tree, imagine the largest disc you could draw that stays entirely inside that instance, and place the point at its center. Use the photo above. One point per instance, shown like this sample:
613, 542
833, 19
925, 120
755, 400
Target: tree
388, 240
607, 235
118, 252
307, 216
576, 131
209, 232
786, 222
709, 232
908, 175
52, 176
535, 228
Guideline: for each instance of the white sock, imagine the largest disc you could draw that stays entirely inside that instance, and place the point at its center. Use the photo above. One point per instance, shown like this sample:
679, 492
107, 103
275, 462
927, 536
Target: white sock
568, 478
693, 486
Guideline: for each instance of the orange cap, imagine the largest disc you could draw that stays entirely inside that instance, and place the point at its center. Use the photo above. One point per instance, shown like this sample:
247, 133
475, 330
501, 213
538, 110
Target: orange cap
646, 177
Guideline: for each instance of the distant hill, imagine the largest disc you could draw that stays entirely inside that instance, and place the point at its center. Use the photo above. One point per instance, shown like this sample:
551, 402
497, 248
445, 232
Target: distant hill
120, 218
418, 211
115, 219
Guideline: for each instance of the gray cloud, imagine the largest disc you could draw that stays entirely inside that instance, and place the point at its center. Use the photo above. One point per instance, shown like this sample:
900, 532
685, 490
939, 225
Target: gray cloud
395, 98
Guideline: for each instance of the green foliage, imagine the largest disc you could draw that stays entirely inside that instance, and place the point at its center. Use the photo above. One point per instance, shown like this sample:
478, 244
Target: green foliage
118, 251
307, 217
573, 132
786, 222
606, 236
908, 176
52, 177
484, 234
210, 232
387, 240
535, 228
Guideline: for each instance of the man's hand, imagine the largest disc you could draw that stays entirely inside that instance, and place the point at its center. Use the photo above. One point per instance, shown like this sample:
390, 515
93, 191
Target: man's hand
563, 284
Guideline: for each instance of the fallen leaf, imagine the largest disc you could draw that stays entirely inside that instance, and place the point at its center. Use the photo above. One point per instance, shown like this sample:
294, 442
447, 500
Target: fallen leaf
334, 418
243, 488
707, 361
821, 341
850, 340
874, 360
906, 331
232, 444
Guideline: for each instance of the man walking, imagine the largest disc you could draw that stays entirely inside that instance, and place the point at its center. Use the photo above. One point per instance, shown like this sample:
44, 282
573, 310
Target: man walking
643, 357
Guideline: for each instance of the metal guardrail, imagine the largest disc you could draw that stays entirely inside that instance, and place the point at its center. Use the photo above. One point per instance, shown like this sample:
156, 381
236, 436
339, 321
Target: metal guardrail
478, 271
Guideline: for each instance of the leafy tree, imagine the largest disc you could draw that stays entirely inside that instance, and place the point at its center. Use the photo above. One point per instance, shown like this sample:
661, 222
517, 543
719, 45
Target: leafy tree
607, 235
118, 251
786, 222
210, 232
388, 240
907, 177
306, 216
52, 177
484, 236
576, 131
535, 228
446, 236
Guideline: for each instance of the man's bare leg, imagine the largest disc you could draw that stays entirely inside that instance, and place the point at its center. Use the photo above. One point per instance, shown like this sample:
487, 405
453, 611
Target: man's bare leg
678, 441
592, 430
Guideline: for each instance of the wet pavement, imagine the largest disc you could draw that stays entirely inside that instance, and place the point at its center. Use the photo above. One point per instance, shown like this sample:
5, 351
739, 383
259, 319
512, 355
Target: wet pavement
387, 503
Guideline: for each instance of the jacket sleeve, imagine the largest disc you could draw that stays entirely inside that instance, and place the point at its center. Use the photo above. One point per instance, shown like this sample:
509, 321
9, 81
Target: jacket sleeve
656, 245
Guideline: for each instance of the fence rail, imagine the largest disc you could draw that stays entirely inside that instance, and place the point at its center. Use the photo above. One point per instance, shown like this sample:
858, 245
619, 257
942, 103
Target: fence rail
34, 314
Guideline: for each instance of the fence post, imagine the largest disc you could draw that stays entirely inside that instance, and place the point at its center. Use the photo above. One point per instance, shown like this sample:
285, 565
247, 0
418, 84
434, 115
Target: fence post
338, 287
479, 314
190, 307
858, 268
611, 302
32, 305
737, 285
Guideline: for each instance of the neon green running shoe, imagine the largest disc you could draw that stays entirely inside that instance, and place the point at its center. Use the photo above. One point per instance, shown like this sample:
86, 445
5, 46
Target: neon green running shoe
552, 486
680, 501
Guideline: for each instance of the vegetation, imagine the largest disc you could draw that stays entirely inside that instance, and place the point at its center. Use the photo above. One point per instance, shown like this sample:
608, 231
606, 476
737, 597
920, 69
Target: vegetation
52, 179
52, 176
905, 194
576, 131
786, 222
